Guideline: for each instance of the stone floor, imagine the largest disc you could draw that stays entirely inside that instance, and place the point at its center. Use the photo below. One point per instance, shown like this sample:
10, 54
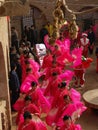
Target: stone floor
89, 119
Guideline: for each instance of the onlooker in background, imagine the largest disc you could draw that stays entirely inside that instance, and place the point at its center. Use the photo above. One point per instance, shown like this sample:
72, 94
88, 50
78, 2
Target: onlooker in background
18, 68
12, 55
33, 36
91, 37
49, 27
31, 51
24, 39
14, 84
22, 47
27, 32
14, 38
43, 32
96, 52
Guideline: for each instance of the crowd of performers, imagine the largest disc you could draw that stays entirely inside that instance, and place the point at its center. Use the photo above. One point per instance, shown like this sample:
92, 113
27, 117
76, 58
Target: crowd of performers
44, 89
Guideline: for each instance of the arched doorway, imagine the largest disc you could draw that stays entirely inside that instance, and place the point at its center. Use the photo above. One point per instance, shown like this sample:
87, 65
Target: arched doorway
35, 17
87, 18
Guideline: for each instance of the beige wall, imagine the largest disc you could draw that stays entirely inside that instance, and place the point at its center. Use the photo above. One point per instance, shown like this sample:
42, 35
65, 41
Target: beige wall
4, 35
4, 88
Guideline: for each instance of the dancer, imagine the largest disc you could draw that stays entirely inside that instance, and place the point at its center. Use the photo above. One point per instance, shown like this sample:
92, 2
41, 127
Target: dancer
84, 44
28, 123
96, 52
91, 37
38, 98
80, 70
69, 124
28, 106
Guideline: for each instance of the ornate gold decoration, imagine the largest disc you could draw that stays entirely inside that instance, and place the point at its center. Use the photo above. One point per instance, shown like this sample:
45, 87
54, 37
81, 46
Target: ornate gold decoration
73, 28
58, 16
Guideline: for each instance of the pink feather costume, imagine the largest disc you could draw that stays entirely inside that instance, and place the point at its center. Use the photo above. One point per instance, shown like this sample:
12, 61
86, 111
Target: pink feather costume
26, 85
40, 100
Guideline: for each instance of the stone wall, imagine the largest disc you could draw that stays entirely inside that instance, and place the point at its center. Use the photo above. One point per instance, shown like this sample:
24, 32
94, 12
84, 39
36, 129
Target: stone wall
46, 8
4, 64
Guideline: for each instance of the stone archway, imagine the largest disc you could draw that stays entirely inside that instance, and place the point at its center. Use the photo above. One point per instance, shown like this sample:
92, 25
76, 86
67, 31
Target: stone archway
35, 16
89, 19
39, 18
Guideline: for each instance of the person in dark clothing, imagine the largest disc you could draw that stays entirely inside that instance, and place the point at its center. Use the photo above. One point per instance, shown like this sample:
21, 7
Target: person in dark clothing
18, 69
43, 32
27, 32
24, 39
91, 37
96, 53
14, 38
14, 84
33, 36
12, 55
30, 49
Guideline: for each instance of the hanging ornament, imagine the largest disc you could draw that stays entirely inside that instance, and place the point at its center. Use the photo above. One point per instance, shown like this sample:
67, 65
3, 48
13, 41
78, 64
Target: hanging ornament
73, 28
58, 16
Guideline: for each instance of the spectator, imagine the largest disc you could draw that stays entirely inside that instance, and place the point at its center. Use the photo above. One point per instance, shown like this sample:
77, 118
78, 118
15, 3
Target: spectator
91, 37
14, 38
27, 32
12, 55
43, 32
19, 68
96, 52
14, 84
33, 36
49, 27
